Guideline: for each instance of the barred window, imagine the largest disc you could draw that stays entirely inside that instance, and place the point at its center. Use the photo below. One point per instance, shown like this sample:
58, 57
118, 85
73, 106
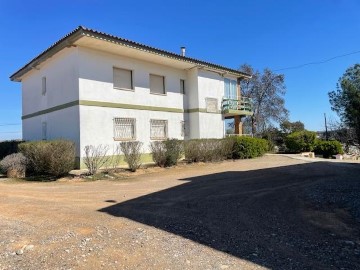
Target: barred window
124, 128
158, 129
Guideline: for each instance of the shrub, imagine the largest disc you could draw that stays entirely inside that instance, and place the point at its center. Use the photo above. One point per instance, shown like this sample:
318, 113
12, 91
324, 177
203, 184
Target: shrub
132, 153
328, 148
300, 141
55, 158
166, 153
8, 147
14, 162
208, 150
248, 147
95, 157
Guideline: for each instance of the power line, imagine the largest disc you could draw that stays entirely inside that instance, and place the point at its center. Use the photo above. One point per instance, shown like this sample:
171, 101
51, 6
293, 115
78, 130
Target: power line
4, 125
318, 62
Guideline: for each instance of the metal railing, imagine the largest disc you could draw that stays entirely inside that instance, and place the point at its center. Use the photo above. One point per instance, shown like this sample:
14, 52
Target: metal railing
242, 104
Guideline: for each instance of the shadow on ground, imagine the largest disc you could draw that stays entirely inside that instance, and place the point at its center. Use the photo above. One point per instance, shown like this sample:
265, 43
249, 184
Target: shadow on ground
254, 215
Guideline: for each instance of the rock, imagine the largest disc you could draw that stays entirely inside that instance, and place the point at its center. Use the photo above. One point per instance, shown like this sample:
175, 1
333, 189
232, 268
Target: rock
224, 266
28, 247
349, 242
19, 252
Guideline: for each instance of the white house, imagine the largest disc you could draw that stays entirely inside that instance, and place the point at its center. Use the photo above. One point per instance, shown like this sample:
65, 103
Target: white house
94, 88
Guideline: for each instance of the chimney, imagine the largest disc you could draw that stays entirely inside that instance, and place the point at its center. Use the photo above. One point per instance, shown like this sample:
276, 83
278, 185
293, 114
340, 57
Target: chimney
183, 49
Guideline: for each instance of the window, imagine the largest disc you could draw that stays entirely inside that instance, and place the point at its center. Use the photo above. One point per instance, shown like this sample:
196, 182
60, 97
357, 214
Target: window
182, 86
122, 78
43, 86
157, 84
158, 129
124, 128
230, 89
43, 131
182, 126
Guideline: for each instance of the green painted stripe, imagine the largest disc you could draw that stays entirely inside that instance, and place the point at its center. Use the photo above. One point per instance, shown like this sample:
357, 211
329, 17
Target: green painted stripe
53, 109
129, 106
113, 105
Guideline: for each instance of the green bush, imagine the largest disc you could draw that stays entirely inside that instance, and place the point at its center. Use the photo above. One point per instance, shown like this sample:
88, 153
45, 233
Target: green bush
301, 141
55, 158
208, 150
166, 153
8, 148
248, 147
132, 153
328, 148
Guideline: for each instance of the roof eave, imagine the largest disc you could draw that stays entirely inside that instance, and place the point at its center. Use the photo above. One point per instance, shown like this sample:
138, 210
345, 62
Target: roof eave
71, 38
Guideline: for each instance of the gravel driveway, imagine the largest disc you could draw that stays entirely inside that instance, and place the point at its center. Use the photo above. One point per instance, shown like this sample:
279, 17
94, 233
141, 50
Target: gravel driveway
268, 213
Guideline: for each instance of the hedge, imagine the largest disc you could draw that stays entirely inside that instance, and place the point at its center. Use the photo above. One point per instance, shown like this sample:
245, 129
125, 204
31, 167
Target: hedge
328, 148
301, 141
55, 158
248, 147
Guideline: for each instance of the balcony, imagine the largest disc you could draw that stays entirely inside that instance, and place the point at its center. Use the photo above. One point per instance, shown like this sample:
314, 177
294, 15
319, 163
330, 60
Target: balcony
231, 107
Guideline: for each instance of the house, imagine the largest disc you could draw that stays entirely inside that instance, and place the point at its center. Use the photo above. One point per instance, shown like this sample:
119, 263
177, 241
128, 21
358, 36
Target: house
94, 88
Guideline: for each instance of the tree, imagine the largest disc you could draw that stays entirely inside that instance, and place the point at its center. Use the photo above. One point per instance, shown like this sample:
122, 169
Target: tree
267, 91
345, 101
290, 127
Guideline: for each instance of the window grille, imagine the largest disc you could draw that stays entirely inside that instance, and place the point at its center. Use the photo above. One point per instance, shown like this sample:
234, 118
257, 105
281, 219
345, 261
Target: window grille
124, 128
158, 129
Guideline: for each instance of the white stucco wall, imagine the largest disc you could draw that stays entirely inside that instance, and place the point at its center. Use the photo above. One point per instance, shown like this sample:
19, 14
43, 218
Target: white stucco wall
96, 80
97, 125
61, 72
61, 124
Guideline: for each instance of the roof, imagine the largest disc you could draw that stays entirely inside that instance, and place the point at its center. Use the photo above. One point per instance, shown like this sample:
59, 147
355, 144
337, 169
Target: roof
81, 31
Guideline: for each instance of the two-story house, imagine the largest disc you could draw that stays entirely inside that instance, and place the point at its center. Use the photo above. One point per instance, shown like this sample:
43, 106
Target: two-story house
94, 88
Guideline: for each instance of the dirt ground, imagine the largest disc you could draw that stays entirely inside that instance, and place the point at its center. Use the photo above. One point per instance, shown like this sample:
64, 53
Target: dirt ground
273, 212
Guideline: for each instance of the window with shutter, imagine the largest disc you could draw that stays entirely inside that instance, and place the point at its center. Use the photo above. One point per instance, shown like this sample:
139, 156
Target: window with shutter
122, 79
157, 84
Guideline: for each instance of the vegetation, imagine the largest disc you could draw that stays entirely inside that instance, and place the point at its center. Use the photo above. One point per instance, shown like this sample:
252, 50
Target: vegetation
267, 91
288, 127
8, 147
166, 153
95, 157
55, 158
15, 163
132, 154
208, 150
328, 148
345, 101
247, 147
300, 141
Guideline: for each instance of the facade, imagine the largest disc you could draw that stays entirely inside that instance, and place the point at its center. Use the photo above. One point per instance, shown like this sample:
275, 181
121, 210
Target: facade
94, 88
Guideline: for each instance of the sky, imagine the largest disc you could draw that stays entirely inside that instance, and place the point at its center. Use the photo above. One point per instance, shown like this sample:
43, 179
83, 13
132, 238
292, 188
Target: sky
273, 34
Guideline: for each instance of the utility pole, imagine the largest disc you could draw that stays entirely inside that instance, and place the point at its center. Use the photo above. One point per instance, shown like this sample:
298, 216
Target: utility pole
326, 131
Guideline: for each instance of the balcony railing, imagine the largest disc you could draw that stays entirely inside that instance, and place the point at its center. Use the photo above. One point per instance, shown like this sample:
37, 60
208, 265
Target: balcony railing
242, 106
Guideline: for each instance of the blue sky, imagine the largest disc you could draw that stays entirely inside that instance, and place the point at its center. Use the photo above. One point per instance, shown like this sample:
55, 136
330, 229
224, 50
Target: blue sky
268, 33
